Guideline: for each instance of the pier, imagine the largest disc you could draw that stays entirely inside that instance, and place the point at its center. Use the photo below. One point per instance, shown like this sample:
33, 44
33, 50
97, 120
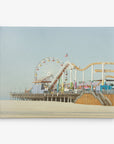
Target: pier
45, 97
83, 97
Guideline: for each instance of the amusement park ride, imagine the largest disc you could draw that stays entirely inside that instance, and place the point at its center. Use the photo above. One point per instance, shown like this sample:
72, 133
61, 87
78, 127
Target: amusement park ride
58, 82
63, 80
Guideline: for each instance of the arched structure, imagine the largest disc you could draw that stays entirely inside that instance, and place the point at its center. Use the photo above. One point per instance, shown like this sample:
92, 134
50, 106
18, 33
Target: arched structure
45, 61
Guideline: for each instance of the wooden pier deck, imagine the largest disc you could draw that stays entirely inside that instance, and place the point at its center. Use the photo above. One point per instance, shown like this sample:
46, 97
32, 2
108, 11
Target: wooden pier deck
63, 97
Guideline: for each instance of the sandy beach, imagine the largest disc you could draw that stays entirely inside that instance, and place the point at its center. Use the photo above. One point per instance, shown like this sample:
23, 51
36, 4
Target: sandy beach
44, 109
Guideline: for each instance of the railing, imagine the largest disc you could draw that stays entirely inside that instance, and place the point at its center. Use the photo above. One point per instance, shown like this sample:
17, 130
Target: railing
108, 91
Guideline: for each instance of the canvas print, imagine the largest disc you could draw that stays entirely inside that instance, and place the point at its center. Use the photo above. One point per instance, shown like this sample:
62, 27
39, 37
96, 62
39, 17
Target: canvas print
56, 72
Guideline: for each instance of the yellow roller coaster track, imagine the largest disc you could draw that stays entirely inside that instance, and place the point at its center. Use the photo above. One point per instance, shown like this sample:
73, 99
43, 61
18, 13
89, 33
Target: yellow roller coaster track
97, 63
109, 76
105, 70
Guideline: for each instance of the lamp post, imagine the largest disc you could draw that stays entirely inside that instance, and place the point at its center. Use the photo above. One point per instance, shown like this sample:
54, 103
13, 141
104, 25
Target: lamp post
92, 76
83, 78
102, 73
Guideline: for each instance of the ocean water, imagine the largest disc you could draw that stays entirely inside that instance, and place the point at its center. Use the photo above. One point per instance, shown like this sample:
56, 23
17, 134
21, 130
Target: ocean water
5, 97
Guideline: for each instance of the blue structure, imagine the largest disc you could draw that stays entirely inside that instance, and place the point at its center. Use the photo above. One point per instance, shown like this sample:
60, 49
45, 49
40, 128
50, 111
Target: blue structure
105, 87
37, 88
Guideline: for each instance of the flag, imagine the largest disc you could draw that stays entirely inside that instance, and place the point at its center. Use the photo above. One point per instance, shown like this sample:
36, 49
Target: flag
66, 55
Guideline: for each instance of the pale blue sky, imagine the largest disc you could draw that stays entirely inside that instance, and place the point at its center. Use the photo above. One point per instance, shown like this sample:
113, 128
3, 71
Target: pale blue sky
21, 48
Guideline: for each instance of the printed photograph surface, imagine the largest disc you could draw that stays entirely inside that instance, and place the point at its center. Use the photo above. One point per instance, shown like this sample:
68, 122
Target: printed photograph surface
56, 72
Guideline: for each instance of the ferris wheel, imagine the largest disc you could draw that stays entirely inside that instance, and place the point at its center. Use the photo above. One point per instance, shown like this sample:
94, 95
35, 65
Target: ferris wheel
48, 66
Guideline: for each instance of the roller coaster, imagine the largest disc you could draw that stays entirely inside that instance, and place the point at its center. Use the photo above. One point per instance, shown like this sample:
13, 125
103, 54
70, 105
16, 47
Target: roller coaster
58, 81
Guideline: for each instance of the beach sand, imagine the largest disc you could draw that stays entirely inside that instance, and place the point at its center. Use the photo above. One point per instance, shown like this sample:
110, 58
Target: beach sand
44, 109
